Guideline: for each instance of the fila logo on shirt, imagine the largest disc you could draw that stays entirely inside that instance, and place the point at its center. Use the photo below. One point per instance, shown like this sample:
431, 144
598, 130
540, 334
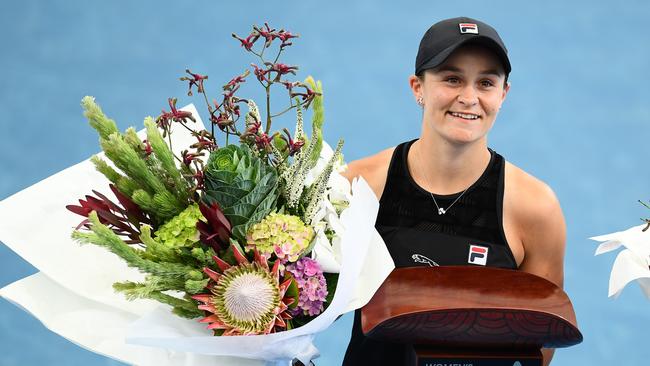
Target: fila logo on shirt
477, 255
468, 28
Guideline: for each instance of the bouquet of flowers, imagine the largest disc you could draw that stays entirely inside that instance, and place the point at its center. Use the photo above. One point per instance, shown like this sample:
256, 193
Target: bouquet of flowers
632, 263
245, 249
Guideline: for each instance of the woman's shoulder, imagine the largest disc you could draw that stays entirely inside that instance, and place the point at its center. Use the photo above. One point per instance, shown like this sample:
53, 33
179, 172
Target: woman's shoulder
536, 220
374, 169
525, 188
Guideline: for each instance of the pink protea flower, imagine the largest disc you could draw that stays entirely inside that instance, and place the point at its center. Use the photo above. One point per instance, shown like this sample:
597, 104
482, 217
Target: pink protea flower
247, 298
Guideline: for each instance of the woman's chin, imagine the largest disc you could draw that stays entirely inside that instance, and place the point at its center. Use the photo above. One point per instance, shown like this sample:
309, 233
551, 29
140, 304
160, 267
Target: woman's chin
461, 136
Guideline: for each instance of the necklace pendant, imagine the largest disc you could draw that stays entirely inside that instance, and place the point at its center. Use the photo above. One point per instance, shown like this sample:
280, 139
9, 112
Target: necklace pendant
441, 211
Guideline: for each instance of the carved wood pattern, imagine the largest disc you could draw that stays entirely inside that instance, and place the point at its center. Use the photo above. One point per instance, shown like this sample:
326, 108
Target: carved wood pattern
470, 307
497, 328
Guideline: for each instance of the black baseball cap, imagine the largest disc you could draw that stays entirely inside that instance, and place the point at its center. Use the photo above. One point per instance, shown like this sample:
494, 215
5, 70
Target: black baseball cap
446, 36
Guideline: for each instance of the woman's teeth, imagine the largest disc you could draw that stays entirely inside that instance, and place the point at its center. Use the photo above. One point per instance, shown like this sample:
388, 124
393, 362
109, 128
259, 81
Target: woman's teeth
464, 115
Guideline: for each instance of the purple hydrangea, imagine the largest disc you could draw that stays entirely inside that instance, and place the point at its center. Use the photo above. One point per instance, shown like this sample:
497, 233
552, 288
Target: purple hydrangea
311, 284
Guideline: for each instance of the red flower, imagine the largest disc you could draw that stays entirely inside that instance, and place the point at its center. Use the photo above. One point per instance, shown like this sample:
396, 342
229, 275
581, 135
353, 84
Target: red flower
260, 73
222, 120
147, 148
195, 80
248, 42
175, 115
205, 142
234, 82
198, 176
254, 128
263, 142
268, 34
188, 157
283, 69
289, 85
284, 37
293, 146
307, 97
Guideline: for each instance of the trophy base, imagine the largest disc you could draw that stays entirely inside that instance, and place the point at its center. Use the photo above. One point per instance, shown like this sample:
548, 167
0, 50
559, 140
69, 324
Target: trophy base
429, 356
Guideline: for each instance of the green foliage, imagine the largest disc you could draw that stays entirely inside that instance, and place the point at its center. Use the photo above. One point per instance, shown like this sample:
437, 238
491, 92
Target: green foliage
97, 119
161, 151
242, 184
103, 236
318, 118
154, 249
292, 291
105, 169
168, 267
185, 307
151, 180
332, 280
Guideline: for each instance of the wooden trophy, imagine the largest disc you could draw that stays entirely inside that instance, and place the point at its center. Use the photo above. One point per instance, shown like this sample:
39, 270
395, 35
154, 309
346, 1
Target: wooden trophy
467, 315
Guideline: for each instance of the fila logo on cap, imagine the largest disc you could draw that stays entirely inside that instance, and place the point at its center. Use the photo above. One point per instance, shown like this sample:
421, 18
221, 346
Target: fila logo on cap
468, 28
477, 255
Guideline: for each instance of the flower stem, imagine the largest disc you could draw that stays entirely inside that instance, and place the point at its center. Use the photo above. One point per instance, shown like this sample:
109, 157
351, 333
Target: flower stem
268, 108
205, 97
284, 111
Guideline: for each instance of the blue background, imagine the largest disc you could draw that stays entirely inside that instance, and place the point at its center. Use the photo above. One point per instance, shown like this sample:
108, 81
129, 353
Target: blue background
576, 117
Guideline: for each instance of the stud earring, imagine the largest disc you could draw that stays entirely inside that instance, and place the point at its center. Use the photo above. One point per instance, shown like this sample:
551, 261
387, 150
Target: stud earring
420, 102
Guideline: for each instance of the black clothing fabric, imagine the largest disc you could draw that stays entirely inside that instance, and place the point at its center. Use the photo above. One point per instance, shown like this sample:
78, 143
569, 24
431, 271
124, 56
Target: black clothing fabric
470, 233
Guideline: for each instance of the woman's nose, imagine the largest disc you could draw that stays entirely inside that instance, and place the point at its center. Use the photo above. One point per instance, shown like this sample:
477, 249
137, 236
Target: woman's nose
468, 96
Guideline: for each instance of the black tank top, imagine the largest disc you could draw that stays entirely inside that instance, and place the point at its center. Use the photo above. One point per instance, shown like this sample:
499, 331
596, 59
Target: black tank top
470, 233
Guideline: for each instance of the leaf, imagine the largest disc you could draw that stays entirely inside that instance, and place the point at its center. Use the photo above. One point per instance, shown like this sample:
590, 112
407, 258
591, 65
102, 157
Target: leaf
292, 291
332, 280
131, 207
223, 198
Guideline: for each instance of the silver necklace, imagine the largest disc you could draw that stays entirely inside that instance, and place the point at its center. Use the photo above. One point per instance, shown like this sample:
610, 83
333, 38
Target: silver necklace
441, 210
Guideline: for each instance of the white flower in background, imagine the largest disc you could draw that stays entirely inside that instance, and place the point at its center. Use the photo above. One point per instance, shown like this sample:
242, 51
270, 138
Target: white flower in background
325, 156
632, 263
328, 253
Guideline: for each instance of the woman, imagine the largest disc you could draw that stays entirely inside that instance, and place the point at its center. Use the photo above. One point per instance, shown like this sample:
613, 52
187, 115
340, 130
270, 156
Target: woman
446, 194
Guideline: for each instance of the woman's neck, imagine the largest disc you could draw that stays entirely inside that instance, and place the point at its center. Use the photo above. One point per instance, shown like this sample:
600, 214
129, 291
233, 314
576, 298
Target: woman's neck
444, 168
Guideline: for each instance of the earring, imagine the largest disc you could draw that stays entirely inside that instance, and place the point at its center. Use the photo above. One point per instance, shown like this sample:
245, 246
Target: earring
420, 102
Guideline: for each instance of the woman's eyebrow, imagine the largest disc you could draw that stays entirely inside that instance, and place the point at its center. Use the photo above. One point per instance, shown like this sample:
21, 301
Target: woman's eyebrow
450, 68
494, 72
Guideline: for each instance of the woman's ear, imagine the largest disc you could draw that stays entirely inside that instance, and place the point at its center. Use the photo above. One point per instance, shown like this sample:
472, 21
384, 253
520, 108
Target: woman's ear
506, 89
416, 86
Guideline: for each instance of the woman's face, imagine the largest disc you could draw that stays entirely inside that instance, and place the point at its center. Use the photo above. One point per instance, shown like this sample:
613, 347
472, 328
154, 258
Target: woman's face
462, 96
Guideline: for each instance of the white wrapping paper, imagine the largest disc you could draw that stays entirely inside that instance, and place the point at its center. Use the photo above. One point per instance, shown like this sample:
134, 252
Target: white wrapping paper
632, 263
72, 294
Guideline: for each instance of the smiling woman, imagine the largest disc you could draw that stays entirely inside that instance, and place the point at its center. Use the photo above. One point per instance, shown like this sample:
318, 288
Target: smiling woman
446, 194
461, 97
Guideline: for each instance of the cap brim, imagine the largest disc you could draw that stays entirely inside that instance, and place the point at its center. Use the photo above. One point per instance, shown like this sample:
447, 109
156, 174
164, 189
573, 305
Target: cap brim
482, 40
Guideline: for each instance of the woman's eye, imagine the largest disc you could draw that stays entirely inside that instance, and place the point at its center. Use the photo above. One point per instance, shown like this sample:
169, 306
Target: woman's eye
487, 83
452, 80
